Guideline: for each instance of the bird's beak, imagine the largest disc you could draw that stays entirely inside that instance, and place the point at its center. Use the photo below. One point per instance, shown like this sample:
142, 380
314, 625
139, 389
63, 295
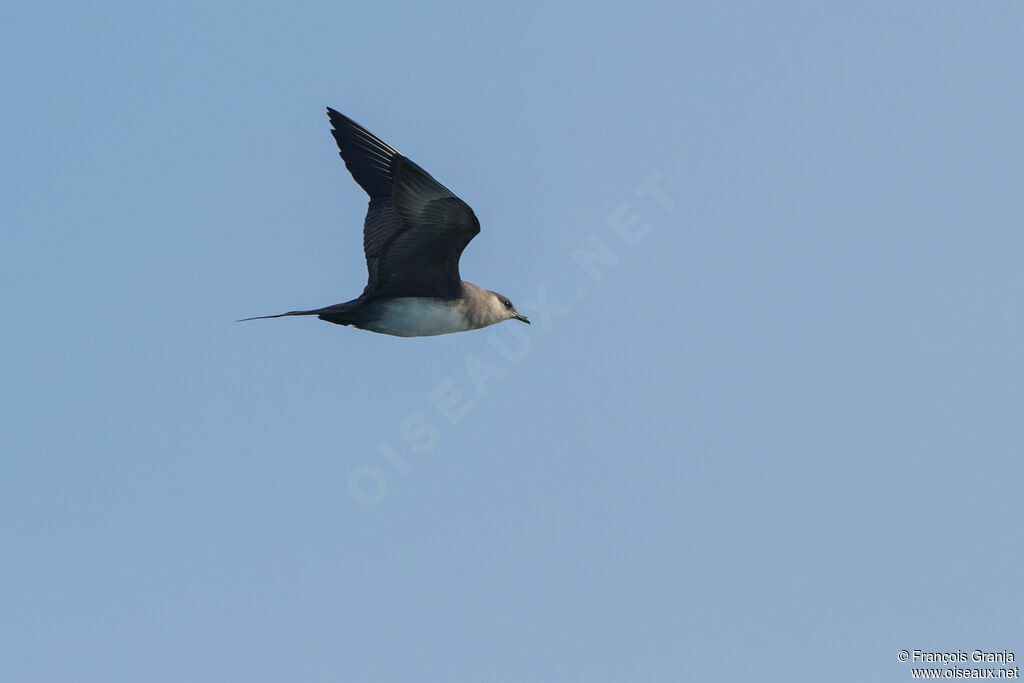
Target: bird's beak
520, 316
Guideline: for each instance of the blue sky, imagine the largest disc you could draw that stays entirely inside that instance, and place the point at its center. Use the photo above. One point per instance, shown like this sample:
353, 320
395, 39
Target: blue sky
778, 438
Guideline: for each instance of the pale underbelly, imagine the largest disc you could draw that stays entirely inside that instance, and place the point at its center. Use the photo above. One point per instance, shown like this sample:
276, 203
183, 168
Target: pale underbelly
417, 317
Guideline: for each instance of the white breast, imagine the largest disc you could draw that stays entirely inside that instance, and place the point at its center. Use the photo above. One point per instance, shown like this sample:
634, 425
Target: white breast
418, 317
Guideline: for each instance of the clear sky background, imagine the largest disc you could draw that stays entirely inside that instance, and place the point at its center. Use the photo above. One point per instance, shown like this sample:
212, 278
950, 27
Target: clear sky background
780, 438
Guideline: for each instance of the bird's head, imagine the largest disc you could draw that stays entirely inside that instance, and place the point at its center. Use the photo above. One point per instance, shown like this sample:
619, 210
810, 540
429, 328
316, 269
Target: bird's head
505, 310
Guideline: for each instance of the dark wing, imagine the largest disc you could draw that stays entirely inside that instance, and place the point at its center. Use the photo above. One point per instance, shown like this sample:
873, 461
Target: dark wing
415, 228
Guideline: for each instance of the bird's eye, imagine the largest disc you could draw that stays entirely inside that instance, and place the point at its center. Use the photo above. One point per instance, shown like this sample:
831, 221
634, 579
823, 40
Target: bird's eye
508, 304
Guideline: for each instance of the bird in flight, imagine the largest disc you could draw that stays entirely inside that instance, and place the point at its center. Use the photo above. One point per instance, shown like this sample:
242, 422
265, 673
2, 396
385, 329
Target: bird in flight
413, 235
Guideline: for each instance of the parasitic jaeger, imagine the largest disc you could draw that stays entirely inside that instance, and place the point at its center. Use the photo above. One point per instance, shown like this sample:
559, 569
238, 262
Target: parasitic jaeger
413, 235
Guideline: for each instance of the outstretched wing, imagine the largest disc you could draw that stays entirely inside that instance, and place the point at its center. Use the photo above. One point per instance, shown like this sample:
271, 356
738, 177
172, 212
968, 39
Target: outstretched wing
415, 228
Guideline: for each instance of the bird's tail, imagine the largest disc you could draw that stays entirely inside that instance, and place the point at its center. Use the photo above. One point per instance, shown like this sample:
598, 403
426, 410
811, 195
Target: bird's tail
281, 315
339, 314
